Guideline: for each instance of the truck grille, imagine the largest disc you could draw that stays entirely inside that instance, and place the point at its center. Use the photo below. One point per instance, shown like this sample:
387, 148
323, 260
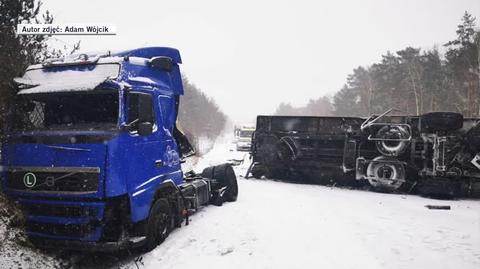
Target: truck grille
53, 180
74, 230
52, 210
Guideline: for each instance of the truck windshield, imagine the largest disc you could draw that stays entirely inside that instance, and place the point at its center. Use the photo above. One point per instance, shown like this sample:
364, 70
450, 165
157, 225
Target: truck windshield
66, 111
245, 133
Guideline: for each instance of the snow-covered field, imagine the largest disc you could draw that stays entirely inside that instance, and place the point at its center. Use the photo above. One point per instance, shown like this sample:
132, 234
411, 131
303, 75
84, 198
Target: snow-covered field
283, 225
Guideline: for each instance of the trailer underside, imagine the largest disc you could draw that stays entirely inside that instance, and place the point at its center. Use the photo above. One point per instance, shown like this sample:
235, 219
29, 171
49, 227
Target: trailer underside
433, 154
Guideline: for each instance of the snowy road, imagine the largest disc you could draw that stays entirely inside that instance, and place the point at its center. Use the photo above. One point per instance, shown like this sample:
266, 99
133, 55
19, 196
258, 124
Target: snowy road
284, 225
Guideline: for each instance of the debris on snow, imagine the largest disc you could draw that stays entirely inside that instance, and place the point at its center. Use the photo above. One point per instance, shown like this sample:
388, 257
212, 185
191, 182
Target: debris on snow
441, 207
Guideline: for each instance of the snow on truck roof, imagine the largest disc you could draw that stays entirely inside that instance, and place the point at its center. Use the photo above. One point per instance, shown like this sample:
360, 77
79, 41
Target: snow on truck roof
86, 72
249, 128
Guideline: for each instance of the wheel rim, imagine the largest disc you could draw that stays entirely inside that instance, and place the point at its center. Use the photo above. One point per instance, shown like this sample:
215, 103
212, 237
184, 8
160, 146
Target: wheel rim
386, 173
162, 227
389, 147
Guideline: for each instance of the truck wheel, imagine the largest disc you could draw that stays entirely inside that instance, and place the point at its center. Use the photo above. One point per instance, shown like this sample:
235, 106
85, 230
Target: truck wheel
158, 224
388, 146
442, 121
385, 174
217, 200
225, 175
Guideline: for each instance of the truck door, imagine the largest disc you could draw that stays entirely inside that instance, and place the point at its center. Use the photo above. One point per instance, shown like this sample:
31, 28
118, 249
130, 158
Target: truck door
151, 158
172, 155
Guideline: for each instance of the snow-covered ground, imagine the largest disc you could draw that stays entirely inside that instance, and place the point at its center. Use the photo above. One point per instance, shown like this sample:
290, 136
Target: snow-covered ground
15, 251
283, 225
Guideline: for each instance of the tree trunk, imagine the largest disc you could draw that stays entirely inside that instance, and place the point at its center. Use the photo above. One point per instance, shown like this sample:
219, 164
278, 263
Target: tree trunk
415, 92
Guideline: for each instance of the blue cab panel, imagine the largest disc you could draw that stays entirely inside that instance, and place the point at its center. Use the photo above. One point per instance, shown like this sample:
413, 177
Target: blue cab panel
89, 136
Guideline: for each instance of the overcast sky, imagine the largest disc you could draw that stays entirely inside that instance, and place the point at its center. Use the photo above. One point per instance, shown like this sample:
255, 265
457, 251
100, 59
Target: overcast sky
250, 55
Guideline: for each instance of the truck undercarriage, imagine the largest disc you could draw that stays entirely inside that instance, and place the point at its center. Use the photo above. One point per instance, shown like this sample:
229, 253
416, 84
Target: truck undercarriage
434, 154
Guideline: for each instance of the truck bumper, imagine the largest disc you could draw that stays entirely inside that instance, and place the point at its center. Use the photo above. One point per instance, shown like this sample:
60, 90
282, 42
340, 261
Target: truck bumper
79, 225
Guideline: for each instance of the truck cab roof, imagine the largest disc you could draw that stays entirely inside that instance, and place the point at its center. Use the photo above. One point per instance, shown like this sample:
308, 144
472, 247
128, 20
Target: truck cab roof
150, 68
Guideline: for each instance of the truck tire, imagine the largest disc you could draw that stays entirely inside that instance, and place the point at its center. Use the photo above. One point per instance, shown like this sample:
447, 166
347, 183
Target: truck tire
392, 148
442, 121
158, 224
217, 200
385, 174
225, 175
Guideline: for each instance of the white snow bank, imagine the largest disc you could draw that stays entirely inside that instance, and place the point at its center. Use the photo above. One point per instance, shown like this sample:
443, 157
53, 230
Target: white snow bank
222, 151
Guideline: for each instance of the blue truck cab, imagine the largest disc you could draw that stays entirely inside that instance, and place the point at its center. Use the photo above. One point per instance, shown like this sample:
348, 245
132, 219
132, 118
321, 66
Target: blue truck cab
92, 153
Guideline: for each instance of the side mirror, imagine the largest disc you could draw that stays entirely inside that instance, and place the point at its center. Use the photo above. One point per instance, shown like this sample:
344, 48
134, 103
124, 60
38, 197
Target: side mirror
145, 128
162, 63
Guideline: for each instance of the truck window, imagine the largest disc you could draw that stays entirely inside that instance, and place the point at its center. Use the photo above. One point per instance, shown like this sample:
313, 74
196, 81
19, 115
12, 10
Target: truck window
134, 107
76, 111
168, 114
245, 133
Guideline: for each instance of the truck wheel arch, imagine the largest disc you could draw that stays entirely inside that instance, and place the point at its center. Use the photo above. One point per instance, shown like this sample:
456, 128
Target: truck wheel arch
169, 191
167, 187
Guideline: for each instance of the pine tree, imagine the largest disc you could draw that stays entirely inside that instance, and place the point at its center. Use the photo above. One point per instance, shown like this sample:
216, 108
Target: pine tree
462, 62
417, 82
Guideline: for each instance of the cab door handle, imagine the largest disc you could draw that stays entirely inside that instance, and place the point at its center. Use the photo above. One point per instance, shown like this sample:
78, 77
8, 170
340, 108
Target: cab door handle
158, 163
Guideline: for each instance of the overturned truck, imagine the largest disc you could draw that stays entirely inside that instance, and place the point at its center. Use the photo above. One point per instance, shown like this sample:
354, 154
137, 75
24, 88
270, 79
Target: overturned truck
434, 154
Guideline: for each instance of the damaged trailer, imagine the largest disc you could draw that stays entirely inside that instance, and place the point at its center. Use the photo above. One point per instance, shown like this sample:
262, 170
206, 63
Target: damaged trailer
435, 154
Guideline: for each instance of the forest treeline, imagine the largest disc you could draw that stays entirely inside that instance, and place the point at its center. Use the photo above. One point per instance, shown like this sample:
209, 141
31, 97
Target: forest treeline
199, 115
412, 80
315, 107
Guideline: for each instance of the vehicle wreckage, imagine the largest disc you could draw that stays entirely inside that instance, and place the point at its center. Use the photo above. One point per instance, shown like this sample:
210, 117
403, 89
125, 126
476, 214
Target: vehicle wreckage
435, 154
92, 153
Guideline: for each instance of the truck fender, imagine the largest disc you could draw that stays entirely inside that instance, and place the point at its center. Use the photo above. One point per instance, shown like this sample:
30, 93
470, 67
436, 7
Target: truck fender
164, 190
168, 190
